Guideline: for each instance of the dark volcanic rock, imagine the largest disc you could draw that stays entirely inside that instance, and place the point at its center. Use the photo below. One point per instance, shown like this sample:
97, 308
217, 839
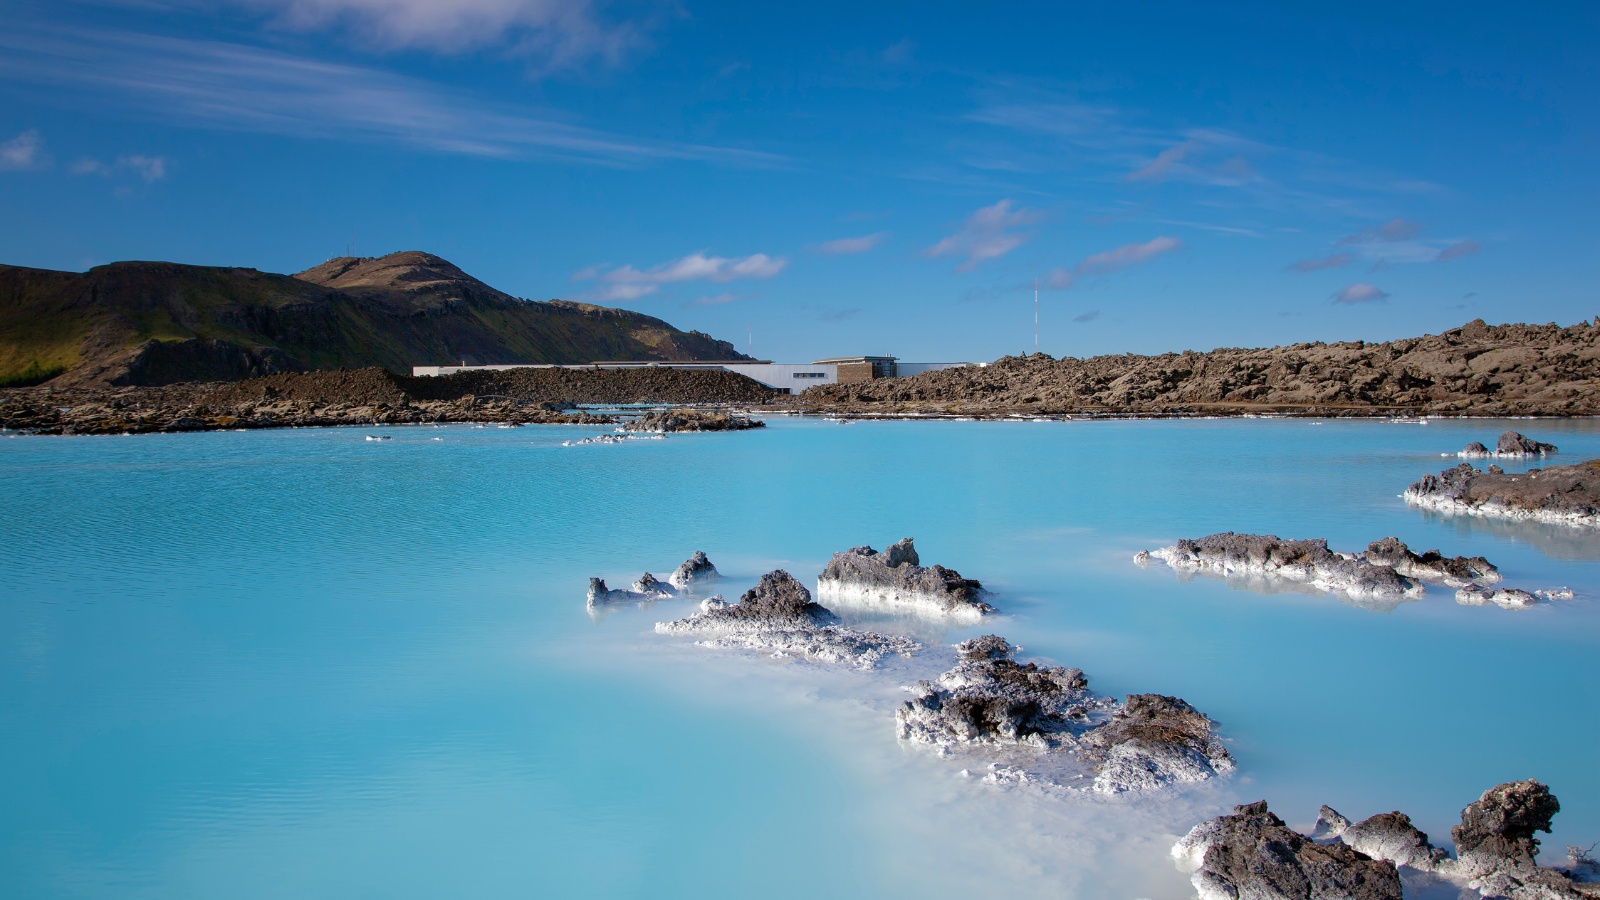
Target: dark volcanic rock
1308, 561
665, 421
778, 601
1456, 572
1153, 740
1496, 830
1391, 836
697, 569
894, 579
1513, 444
1477, 369
1562, 495
1253, 855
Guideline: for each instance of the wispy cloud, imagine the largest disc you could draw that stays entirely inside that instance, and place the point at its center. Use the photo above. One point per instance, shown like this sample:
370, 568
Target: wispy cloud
150, 168
1159, 167
556, 33
25, 151
846, 246
1458, 250
629, 283
1391, 232
243, 88
1335, 261
900, 52
1089, 316
838, 315
1110, 261
1359, 293
989, 233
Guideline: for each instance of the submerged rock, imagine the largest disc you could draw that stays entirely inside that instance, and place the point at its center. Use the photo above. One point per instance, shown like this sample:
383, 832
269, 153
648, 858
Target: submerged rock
989, 698
895, 579
697, 569
778, 614
1253, 855
1505, 598
1309, 561
1456, 572
1512, 444
1559, 495
1475, 450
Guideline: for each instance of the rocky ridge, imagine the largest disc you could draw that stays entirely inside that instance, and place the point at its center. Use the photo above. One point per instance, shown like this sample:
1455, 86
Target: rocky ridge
896, 580
1477, 369
668, 421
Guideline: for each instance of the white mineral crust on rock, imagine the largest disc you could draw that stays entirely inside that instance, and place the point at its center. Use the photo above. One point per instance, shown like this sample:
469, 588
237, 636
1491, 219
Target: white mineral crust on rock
895, 580
1558, 495
778, 614
1308, 561
990, 700
1505, 598
697, 569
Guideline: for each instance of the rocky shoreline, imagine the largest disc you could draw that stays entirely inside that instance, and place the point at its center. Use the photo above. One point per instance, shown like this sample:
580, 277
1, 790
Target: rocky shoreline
1252, 853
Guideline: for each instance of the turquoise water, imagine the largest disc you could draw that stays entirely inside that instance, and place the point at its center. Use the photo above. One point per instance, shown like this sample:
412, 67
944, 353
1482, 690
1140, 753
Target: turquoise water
296, 663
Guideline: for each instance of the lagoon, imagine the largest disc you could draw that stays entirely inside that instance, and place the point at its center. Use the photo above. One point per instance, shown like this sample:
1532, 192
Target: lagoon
300, 663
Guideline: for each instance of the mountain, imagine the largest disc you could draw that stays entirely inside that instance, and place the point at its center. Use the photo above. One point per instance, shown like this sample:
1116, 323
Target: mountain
160, 323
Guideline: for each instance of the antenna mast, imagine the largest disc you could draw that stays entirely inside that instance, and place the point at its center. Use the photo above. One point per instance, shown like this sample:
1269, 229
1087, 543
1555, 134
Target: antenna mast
1036, 315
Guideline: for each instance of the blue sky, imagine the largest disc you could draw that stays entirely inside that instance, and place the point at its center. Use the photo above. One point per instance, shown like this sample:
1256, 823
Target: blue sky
840, 178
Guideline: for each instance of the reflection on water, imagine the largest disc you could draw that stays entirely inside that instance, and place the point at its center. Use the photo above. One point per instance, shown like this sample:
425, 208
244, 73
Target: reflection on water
1267, 584
302, 664
1554, 541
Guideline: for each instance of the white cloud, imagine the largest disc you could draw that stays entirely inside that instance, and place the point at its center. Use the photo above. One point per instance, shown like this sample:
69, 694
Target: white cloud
1391, 232
628, 283
559, 33
1335, 261
987, 234
1158, 168
1110, 261
237, 87
1359, 293
845, 246
150, 168
1458, 250
25, 151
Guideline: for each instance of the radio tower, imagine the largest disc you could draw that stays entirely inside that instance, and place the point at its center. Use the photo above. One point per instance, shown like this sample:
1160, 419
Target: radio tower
1036, 315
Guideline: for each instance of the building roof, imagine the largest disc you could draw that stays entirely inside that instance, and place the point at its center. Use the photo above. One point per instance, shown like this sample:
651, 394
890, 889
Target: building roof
854, 359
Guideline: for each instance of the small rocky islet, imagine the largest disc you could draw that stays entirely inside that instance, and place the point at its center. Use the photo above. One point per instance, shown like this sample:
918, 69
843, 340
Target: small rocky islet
1387, 572
1556, 495
1254, 854
987, 702
1510, 445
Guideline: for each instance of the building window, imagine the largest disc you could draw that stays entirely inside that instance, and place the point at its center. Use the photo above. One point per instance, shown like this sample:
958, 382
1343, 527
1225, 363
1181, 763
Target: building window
811, 374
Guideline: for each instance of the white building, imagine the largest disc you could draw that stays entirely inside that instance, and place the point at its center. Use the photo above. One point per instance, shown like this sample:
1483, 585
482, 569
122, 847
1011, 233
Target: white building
789, 378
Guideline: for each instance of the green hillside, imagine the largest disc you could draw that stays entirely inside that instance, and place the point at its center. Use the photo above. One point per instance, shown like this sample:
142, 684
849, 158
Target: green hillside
159, 323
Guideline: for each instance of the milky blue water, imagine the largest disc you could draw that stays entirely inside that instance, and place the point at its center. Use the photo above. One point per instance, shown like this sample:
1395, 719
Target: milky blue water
297, 663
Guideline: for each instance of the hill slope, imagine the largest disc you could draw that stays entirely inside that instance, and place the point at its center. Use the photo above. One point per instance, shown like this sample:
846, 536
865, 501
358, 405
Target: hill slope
160, 323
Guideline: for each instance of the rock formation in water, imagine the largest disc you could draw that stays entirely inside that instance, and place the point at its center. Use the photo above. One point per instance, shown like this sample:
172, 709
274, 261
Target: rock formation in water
988, 698
778, 614
1151, 741
1455, 572
1307, 561
1511, 445
896, 580
647, 587
1253, 855
697, 569
664, 421
1559, 495
1505, 598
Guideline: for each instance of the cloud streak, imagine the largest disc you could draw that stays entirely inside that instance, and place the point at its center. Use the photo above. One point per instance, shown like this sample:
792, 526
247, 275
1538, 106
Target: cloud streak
1359, 293
847, 246
629, 283
1458, 250
1391, 232
1337, 260
236, 87
561, 33
989, 233
1110, 261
